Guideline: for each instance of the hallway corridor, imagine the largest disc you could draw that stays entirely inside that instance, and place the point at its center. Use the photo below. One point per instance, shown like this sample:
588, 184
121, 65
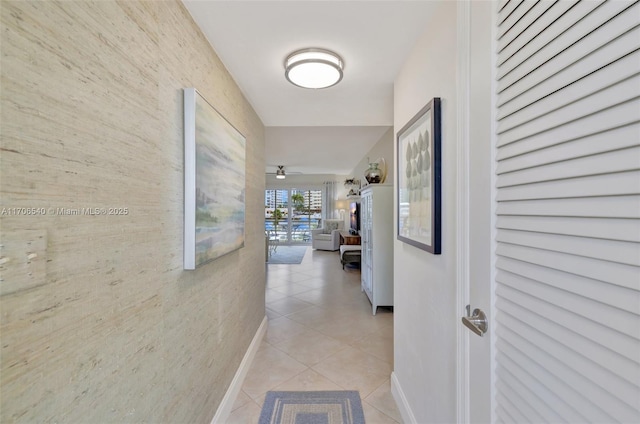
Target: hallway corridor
321, 336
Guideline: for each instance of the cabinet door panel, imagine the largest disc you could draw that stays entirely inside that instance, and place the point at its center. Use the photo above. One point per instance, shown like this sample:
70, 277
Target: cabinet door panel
377, 244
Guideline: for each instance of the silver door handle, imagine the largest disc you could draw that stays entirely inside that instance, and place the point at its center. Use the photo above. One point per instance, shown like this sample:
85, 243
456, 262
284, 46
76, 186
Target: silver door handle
476, 322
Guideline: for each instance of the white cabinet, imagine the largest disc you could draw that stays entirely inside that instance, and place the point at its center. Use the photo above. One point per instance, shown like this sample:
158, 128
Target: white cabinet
376, 231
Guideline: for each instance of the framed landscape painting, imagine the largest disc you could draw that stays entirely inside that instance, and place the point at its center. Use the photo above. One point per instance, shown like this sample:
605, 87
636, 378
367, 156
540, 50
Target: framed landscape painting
419, 179
214, 181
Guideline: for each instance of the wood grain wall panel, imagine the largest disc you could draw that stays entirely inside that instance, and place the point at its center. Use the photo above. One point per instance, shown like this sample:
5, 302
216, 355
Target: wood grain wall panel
92, 118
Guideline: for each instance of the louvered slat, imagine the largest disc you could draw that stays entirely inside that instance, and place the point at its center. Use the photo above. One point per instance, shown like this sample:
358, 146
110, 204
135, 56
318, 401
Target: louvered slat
534, 13
510, 24
575, 42
617, 364
548, 79
518, 303
622, 183
626, 91
539, 20
617, 161
595, 92
604, 271
567, 296
574, 388
617, 116
607, 250
620, 391
561, 400
610, 316
587, 207
501, 5
508, 9
602, 142
566, 70
530, 407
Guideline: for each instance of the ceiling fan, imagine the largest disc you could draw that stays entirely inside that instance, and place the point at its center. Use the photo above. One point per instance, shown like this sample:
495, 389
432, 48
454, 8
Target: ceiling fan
281, 173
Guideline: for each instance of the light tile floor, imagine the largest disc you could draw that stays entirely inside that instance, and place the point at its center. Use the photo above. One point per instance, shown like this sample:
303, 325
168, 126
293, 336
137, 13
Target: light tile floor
321, 336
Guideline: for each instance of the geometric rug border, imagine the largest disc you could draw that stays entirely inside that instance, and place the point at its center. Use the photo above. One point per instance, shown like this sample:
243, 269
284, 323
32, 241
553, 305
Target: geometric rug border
276, 403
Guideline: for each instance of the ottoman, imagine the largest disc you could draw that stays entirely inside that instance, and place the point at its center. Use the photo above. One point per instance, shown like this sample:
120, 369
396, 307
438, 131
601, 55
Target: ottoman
350, 254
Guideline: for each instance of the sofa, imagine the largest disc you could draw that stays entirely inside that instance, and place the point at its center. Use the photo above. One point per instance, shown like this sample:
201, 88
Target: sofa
327, 237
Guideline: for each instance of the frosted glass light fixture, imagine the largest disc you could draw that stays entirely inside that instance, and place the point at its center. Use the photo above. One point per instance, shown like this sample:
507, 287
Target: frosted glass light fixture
313, 68
280, 172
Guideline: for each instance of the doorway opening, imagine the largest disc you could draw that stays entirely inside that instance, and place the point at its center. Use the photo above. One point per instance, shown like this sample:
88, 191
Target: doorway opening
291, 214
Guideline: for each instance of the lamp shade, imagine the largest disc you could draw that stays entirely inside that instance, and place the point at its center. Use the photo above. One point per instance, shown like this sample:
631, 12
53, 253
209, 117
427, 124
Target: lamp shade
341, 204
313, 68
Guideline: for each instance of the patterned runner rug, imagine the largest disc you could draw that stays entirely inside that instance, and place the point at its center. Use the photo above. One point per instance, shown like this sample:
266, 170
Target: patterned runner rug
336, 407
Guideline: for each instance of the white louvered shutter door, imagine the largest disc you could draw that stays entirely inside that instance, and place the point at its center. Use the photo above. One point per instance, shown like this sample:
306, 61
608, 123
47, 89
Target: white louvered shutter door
567, 296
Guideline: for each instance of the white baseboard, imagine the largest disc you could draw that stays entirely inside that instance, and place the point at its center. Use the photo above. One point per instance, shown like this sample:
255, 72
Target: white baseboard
224, 410
401, 401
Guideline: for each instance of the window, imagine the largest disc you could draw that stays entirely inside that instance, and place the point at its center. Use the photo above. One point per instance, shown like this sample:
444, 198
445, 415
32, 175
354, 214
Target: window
291, 214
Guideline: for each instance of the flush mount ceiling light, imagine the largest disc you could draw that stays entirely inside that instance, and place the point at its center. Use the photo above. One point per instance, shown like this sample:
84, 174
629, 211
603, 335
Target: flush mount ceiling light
313, 68
280, 172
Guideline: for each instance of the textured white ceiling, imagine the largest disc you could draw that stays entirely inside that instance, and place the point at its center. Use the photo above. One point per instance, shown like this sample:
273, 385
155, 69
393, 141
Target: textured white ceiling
317, 131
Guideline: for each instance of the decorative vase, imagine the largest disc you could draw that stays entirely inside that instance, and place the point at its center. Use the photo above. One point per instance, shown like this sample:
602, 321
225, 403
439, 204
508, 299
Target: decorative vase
373, 174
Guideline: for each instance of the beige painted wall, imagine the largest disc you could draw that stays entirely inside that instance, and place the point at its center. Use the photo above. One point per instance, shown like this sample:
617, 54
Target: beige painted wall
382, 149
103, 325
425, 320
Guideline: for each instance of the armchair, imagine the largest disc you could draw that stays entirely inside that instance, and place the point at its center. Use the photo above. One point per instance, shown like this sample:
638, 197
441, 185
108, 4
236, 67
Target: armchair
327, 237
